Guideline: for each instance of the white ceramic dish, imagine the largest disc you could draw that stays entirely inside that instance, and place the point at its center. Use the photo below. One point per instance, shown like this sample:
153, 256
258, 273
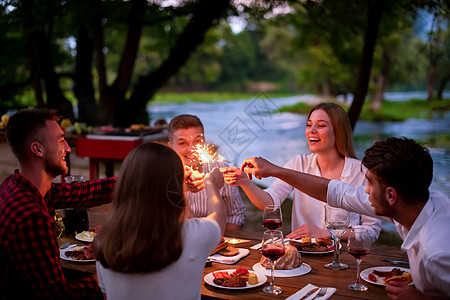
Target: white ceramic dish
302, 270
210, 277
365, 274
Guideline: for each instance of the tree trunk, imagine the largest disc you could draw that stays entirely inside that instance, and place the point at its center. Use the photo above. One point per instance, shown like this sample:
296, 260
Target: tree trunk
441, 87
382, 80
326, 89
374, 12
83, 82
434, 57
33, 64
83, 87
41, 57
206, 13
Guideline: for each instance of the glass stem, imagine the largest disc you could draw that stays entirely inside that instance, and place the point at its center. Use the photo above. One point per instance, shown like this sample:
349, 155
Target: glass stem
272, 267
337, 240
358, 267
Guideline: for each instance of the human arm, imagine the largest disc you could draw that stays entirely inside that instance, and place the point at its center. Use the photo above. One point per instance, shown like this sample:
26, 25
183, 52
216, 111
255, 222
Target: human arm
311, 185
82, 195
403, 291
35, 254
216, 206
234, 176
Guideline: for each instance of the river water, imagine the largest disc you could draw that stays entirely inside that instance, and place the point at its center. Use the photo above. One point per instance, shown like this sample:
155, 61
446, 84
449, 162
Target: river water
249, 128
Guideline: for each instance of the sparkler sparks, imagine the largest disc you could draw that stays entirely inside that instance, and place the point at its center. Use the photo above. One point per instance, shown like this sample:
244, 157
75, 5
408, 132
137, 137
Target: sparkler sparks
207, 153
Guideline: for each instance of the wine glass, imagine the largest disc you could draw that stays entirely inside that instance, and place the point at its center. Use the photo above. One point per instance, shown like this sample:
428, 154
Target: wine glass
358, 245
75, 220
337, 221
272, 217
273, 248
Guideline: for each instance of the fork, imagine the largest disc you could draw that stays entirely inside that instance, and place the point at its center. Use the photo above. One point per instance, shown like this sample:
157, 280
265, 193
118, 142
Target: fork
321, 293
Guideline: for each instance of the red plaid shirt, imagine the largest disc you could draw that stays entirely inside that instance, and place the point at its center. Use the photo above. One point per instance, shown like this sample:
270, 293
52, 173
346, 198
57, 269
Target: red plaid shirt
29, 253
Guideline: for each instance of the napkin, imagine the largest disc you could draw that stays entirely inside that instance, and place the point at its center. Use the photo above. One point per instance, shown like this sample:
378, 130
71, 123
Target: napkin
307, 288
229, 260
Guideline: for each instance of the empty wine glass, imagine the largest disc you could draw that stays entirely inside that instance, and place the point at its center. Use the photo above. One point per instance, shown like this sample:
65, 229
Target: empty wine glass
337, 221
358, 245
272, 217
273, 248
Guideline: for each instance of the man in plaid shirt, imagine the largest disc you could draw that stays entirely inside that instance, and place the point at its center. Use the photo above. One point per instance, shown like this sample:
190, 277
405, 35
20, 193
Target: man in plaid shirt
29, 253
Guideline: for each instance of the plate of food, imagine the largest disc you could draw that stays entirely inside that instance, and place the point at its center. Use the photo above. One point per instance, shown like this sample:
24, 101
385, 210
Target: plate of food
77, 253
289, 265
302, 270
238, 279
88, 236
384, 275
310, 245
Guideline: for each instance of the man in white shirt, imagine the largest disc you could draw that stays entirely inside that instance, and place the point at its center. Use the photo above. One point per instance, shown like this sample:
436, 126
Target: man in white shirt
399, 175
185, 133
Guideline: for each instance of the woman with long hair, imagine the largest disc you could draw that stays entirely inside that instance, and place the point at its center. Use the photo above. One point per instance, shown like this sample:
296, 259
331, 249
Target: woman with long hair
332, 156
147, 249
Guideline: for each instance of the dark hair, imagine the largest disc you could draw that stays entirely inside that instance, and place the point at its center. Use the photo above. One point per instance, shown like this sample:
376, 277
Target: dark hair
402, 164
23, 128
341, 127
183, 122
142, 232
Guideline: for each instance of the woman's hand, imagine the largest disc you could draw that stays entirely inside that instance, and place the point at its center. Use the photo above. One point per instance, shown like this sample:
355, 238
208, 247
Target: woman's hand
300, 232
194, 179
233, 176
259, 167
215, 177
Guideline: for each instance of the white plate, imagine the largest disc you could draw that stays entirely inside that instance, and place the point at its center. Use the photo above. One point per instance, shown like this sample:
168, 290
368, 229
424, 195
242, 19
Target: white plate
210, 277
82, 237
62, 254
365, 274
302, 270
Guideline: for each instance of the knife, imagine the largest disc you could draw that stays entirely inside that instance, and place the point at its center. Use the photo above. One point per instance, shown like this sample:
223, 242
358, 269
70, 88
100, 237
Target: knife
309, 293
397, 262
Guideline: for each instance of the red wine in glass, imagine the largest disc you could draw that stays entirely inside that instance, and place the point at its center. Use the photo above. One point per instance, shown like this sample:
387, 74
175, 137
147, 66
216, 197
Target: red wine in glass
272, 224
272, 248
358, 253
273, 254
272, 217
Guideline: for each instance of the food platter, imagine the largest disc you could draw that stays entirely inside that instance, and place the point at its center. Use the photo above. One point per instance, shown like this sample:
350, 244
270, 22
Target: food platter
85, 236
302, 270
210, 277
62, 254
329, 249
365, 274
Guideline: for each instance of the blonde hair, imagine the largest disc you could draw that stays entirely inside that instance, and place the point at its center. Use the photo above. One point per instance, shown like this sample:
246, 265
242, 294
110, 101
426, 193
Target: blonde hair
341, 126
143, 230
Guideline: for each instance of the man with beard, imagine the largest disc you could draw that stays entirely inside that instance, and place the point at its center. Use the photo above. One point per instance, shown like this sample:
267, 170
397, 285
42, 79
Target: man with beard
399, 175
29, 253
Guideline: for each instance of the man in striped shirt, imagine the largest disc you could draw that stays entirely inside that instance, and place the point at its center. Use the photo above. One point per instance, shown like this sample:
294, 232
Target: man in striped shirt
185, 132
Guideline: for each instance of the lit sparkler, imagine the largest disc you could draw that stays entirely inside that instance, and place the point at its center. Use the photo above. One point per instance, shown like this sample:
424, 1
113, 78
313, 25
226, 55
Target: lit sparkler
207, 153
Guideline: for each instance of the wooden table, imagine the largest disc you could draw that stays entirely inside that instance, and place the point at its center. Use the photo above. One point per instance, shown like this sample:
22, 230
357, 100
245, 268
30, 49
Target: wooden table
318, 276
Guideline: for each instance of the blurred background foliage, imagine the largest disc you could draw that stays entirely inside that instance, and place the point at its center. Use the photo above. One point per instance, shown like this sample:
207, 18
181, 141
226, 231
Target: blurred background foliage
110, 58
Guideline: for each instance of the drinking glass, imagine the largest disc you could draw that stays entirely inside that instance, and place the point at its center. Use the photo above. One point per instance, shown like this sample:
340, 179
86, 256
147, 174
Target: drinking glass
75, 220
337, 221
273, 248
272, 217
358, 245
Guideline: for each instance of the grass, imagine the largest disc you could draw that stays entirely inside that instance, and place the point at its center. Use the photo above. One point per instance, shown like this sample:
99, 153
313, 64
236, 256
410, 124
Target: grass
390, 110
